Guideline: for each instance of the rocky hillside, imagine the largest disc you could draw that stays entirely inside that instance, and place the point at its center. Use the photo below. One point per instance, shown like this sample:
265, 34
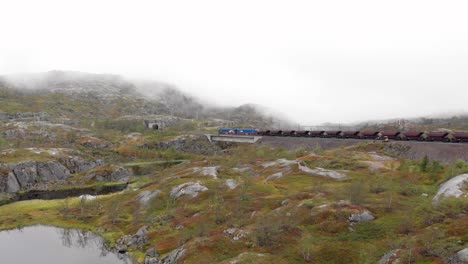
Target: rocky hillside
81, 95
252, 204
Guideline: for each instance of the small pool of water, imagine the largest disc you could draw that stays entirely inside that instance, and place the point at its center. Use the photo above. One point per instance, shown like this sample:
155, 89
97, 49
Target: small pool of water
51, 245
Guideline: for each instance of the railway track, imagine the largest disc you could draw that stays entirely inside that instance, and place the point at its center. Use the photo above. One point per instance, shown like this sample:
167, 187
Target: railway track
444, 152
378, 139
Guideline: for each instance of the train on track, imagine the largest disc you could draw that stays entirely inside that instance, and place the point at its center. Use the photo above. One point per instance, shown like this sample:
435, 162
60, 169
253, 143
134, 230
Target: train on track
454, 137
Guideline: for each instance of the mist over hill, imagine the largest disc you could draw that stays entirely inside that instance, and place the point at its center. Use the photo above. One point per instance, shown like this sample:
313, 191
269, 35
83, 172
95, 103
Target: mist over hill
78, 94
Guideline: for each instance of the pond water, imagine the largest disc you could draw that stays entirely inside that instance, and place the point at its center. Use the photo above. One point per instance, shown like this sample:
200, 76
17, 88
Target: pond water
51, 245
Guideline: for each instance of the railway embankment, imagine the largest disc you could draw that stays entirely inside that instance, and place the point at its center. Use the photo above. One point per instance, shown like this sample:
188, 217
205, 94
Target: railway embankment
444, 152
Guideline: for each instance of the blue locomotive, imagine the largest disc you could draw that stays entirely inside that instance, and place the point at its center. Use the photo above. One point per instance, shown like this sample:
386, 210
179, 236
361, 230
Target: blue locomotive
238, 131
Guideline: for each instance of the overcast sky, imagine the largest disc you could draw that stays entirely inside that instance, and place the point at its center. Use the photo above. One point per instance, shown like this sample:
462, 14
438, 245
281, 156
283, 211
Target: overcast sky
315, 61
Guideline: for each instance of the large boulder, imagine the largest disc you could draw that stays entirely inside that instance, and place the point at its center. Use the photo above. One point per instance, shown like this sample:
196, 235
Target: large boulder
452, 188
364, 216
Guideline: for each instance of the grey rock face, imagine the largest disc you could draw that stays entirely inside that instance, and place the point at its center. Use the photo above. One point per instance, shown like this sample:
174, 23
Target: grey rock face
171, 258
25, 172
116, 174
136, 241
15, 176
31, 172
12, 185
76, 164
50, 171
8, 183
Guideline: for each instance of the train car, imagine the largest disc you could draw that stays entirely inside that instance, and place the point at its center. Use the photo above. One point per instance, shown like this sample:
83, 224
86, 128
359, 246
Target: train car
276, 133
246, 131
350, 134
238, 131
395, 135
413, 135
227, 131
460, 137
316, 133
289, 133
332, 134
437, 136
264, 132
302, 133
370, 134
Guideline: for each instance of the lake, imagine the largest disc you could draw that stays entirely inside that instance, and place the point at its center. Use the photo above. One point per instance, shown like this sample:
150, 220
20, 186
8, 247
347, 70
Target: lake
51, 245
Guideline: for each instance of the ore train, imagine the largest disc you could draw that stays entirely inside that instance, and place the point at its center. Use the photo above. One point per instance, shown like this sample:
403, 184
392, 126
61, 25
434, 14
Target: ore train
454, 137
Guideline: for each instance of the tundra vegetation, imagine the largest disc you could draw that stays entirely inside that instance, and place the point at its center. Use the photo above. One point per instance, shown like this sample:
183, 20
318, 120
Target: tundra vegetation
236, 203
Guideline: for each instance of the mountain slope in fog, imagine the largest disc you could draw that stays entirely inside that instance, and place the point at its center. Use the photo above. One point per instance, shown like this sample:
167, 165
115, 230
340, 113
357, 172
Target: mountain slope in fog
77, 95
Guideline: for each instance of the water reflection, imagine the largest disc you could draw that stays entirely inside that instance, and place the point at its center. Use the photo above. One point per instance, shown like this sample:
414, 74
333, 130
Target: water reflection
51, 245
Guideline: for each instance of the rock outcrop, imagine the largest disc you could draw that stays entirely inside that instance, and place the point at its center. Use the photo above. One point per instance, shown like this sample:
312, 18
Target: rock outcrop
364, 216
29, 173
452, 188
110, 173
207, 171
8, 183
274, 176
136, 241
231, 184
189, 188
390, 257
323, 172
77, 164
152, 257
